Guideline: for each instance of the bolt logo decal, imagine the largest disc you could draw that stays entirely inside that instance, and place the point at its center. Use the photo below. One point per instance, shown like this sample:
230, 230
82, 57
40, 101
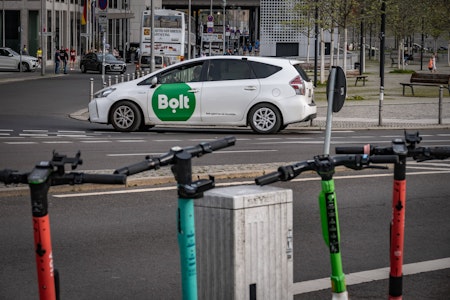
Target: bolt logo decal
173, 102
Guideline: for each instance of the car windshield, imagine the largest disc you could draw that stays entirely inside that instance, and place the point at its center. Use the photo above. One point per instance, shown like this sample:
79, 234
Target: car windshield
13, 52
108, 57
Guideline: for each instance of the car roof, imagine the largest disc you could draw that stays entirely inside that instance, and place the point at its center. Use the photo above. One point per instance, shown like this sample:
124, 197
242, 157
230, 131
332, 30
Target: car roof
262, 59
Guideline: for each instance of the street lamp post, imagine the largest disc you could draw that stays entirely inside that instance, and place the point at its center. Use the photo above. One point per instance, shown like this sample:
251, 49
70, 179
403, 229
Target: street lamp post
223, 23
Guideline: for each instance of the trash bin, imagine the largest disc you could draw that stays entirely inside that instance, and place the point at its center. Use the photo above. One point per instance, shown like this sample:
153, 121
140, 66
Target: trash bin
357, 65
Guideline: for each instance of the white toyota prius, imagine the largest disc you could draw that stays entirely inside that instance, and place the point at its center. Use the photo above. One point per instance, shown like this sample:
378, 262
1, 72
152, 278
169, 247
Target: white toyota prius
264, 93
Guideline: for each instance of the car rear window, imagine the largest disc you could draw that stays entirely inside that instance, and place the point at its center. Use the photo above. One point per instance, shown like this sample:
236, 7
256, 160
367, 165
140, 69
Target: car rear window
302, 72
263, 70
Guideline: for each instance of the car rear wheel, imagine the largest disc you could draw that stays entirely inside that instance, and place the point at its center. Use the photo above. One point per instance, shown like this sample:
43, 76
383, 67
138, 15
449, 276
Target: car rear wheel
126, 116
83, 69
265, 118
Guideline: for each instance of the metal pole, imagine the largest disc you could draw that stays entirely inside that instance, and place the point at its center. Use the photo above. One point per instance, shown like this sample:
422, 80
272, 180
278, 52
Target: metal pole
382, 36
223, 36
43, 2
331, 83
211, 14
189, 30
91, 95
152, 38
3, 22
316, 42
441, 93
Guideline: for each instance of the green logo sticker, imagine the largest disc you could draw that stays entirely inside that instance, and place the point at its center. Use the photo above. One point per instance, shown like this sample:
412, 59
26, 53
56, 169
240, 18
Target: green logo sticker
172, 102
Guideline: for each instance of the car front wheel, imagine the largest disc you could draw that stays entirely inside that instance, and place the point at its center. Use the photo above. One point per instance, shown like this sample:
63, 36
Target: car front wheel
25, 67
83, 69
265, 118
125, 116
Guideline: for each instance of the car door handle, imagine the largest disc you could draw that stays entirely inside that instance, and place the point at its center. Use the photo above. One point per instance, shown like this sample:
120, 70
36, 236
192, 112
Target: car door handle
194, 91
250, 88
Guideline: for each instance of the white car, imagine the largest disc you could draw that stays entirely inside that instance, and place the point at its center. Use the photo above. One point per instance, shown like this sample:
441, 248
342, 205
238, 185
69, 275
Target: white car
264, 93
10, 59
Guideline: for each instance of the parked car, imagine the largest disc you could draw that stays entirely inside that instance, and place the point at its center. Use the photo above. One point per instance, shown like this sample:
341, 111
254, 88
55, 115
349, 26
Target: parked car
10, 59
264, 93
161, 61
94, 61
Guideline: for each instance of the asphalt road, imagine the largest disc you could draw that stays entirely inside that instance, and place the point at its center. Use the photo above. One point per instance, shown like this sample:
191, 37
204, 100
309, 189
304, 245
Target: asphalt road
123, 245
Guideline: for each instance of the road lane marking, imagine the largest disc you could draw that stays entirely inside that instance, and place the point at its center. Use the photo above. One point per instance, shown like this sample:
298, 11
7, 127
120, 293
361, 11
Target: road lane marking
370, 275
20, 143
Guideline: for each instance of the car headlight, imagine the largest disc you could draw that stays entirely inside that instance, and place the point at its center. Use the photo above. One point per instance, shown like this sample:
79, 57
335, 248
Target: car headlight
104, 93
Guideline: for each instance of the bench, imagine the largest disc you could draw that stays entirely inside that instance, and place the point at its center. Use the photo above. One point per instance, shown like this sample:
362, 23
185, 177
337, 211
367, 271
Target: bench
427, 79
361, 77
393, 62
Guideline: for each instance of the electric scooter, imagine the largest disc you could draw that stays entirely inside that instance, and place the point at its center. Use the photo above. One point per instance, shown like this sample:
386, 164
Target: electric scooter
180, 159
44, 175
324, 166
403, 148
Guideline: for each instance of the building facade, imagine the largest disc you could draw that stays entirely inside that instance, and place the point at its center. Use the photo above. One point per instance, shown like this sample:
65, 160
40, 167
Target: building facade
79, 24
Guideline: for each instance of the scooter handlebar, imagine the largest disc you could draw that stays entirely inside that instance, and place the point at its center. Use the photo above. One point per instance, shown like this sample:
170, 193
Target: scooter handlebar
167, 158
137, 168
428, 153
222, 143
349, 150
8, 176
384, 159
268, 178
81, 178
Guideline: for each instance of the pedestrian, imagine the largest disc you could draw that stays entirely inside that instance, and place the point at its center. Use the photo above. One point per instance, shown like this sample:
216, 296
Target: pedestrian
57, 61
64, 59
24, 50
73, 56
432, 63
39, 56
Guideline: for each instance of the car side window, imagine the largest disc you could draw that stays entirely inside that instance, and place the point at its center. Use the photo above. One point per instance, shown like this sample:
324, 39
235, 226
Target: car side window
263, 70
185, 73
229, 69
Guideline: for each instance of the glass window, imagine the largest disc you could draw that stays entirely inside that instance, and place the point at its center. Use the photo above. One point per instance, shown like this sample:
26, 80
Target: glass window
229, 69
263, 70
302, 72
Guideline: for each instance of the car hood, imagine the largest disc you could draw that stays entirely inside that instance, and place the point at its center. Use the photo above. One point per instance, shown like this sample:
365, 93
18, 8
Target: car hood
109, 61
25, 57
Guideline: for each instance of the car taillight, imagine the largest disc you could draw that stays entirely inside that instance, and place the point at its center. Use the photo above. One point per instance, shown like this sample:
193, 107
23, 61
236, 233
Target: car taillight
298, 85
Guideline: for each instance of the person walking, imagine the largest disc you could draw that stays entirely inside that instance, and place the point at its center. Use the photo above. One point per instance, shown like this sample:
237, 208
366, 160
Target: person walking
432, 63
64, 59
39, 56
24, 50
73, 56
57, 61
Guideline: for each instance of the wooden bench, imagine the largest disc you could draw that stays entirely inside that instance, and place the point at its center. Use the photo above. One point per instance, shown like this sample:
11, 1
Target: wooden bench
393, 62
361, 77
427, 79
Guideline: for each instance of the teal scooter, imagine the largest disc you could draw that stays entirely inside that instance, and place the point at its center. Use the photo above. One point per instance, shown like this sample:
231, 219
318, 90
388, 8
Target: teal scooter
188, 190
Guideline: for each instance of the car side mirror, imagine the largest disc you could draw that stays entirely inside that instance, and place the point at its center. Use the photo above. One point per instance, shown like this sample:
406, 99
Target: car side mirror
154, 81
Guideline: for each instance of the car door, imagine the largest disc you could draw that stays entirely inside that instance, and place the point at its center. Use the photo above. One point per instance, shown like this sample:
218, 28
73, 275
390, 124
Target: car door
7, 61
91, 62
177, 95
230, 88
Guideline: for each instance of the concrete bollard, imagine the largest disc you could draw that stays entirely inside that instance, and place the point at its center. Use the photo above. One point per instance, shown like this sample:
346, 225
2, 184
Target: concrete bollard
244, 243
